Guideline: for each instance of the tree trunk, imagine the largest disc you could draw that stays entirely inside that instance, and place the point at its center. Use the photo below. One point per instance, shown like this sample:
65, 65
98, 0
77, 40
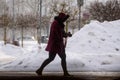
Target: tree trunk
5, 35
22, 36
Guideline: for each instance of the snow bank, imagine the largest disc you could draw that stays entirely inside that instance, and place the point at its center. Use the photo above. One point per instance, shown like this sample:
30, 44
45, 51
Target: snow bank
4, 57
96, 38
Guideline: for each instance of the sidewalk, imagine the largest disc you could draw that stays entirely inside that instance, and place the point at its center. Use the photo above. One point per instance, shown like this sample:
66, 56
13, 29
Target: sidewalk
59, 76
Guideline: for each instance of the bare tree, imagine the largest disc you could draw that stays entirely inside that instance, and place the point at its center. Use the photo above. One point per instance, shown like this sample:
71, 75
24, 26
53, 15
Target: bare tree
24, 22
4, 19
4, 22
105, 11
65, 7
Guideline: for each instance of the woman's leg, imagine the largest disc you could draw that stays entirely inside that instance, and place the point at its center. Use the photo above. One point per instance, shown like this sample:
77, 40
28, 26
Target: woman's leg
46, 62
63, 63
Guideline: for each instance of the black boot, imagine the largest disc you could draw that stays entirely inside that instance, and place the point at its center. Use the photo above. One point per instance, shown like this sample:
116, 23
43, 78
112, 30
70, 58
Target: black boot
66, 74
39, 72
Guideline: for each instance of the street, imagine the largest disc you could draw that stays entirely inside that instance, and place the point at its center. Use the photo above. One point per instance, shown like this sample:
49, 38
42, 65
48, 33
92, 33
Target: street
59, 76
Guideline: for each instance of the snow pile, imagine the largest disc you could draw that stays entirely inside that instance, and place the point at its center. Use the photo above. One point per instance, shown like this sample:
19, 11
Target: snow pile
12, 55
96, 38
21, 59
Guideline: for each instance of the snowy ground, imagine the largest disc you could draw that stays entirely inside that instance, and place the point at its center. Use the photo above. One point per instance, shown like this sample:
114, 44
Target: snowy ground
96, 47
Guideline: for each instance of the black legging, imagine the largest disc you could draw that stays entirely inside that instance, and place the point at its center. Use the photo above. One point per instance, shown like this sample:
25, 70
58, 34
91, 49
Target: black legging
51, 58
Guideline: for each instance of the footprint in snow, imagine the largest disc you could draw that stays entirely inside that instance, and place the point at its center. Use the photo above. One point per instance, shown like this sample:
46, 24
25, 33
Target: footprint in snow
20, 63
106, 63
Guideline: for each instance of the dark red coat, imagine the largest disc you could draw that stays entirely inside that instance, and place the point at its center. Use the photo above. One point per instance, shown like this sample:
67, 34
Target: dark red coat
55, 42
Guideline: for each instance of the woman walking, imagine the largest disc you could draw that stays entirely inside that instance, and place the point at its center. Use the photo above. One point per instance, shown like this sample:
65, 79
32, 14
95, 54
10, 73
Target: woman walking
56, 43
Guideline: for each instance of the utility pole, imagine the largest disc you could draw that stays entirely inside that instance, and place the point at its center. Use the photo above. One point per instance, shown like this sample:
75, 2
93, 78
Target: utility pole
80, 3
13, 24
40, 22
5, 27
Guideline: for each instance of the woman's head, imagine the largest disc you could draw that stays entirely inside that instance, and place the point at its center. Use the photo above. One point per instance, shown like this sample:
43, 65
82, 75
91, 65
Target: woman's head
63, 17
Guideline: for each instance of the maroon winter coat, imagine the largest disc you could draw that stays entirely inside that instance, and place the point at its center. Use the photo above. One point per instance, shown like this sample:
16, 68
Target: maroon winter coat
55, 42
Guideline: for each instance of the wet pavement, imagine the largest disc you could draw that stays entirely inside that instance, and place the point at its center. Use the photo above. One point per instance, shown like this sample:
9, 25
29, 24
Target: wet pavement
59, 76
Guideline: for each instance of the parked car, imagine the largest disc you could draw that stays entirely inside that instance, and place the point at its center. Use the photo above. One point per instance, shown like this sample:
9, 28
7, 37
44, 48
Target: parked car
26, 38
27, 41
44, 39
